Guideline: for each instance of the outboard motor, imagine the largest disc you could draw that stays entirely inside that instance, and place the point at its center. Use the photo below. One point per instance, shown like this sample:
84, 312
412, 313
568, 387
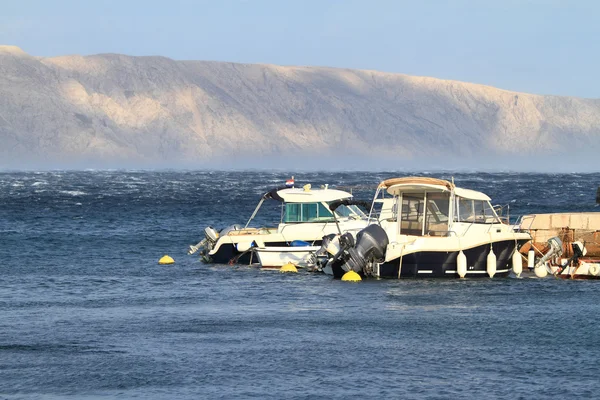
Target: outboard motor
371, 243
210, 239
555, 249
205, 245
211, 234
329, 245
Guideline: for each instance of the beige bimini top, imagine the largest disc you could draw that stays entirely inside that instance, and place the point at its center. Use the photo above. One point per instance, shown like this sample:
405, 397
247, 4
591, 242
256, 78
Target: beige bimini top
415, 184
410, 184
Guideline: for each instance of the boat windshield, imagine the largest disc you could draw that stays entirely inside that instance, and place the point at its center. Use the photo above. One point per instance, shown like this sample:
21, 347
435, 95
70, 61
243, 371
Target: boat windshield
475, 211
423, 213
307, 212
349, 211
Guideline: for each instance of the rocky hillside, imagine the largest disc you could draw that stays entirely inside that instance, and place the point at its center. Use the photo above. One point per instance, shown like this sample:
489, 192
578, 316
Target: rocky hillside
112, 109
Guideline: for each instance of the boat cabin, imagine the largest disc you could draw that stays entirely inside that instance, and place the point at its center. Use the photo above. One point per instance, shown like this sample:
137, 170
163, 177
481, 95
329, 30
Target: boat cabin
430, 207
306, 205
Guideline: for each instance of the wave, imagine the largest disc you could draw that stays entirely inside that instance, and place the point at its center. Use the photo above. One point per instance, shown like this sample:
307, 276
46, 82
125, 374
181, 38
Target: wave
73, 192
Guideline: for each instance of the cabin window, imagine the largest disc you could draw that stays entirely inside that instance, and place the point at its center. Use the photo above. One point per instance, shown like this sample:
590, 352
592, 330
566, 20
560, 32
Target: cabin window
465, 211
384, 209
477, 211
424, 214
411, 214
436, 218
293, 213
436, 214
307, 212
484, 213
346, 211
412, 207
438, 205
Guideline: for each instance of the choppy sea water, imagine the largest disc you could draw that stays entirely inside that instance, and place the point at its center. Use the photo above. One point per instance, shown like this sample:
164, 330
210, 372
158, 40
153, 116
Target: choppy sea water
86, 312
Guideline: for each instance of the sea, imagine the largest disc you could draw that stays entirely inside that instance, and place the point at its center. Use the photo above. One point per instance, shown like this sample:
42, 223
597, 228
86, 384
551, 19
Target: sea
86, 312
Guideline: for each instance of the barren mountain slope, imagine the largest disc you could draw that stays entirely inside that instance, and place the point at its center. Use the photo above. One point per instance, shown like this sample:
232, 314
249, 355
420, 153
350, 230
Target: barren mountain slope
116, 108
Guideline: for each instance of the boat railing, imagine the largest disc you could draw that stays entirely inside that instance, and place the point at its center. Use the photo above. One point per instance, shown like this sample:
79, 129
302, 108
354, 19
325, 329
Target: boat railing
525, 222
467, 230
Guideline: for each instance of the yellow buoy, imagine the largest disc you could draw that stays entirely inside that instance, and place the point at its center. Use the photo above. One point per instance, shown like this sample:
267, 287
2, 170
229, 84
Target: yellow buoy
289, 267
351, 276
166, 260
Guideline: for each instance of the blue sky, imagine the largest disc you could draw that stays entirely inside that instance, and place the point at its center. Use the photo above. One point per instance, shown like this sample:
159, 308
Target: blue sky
535, 46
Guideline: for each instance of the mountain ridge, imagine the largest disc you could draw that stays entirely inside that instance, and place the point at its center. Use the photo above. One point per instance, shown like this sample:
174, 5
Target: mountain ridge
111, 109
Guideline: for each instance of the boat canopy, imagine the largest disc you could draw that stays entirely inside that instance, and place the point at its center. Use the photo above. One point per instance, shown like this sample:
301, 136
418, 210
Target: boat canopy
299, 195
413, 184
471, 194
415, 180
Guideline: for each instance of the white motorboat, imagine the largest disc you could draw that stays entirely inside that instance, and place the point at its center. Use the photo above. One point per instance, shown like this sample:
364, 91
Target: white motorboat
305, 216
431, 228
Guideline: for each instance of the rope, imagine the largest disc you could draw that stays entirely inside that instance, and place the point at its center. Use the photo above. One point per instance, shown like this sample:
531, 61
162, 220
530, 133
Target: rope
400, 266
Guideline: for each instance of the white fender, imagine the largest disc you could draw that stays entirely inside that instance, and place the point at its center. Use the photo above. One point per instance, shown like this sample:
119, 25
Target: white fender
541, 271
594, 269
491, 263
243, 246
461, 264
517, 263
530, 259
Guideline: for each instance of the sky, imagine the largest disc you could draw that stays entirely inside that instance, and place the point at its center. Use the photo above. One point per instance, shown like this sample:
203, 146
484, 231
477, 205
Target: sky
533, 46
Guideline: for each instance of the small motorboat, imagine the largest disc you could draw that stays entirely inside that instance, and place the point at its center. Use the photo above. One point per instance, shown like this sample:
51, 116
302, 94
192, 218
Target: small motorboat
552, 261
306, 216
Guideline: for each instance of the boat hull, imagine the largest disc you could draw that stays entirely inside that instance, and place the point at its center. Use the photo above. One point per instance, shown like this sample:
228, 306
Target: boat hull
229, 254
584, 269
275, 257
442, 264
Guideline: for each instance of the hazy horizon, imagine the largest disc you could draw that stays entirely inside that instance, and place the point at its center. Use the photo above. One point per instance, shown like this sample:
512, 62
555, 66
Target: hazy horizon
553, 164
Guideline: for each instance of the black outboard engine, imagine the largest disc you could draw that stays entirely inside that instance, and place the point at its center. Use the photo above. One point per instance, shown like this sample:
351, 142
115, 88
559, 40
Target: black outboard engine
371, 243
